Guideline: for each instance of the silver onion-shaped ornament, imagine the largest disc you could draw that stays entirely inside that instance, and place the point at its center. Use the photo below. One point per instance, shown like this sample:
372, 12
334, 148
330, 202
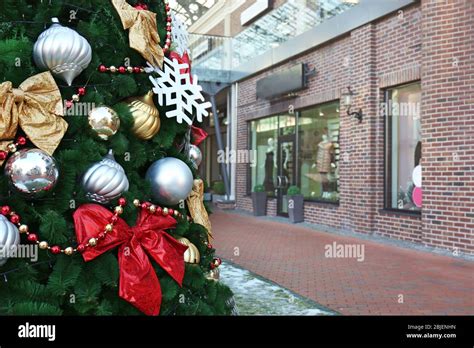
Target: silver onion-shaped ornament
63, 51
195, 155
171, 181
9, 238
105, 180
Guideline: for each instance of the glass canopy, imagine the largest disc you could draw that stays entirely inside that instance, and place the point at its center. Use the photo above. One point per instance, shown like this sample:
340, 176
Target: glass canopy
189, 11
289, 20
292, 18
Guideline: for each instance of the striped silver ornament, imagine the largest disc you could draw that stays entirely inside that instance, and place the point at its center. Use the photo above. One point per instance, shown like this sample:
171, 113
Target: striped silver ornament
105, 181
9, 237
63, 51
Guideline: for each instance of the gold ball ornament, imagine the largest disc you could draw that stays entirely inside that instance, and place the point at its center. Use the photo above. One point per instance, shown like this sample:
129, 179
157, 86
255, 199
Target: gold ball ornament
214, 274
104, 121
145, 115
191, 255
69, 251
43, 245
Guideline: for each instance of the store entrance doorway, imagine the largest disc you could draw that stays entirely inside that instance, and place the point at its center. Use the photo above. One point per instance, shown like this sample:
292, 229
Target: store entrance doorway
286, 171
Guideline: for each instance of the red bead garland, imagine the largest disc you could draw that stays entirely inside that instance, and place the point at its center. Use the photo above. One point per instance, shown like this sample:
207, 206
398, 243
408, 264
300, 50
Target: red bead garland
81, 91
167, 46
121, 69
118, 210
12, 148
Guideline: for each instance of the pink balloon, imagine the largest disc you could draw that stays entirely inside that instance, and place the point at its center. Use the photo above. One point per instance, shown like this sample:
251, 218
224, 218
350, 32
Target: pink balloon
418, 196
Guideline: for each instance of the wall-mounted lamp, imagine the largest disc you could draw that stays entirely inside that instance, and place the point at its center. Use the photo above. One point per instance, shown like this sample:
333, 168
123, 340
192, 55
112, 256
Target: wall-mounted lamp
347, 101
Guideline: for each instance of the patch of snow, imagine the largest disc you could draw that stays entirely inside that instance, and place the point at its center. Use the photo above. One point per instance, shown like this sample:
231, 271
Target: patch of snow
255, 296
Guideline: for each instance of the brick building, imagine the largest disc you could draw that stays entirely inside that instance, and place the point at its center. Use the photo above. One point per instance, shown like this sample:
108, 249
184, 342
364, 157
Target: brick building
409, 66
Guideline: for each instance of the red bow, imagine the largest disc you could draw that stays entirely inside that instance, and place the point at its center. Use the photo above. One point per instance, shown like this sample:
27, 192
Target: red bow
139, 284
184, 59
198, 135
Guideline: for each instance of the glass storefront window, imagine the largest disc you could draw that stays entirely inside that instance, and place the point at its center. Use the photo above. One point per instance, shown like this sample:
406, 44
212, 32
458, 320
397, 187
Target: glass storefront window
403, 146
264, 141
319, 152
313, 165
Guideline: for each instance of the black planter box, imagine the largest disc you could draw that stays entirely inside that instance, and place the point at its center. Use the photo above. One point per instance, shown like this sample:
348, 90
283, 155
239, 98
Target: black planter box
259, 200
296, 208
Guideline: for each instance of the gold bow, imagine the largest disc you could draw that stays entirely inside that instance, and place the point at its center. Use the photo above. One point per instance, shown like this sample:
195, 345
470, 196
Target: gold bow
143, 32
197, 209
37, 107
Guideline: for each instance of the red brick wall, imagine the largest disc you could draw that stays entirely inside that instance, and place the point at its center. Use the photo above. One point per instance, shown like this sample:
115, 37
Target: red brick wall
448, 123
389, 52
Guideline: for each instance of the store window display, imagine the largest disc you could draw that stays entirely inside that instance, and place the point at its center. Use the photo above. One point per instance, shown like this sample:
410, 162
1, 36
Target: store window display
263, 140
319, 152
404, 160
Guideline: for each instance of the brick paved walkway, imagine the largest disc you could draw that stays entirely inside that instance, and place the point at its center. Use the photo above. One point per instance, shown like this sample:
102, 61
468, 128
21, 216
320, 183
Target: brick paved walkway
294, 257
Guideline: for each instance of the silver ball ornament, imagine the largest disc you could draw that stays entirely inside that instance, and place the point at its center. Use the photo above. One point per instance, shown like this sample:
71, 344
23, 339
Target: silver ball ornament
62, 51
9, 237
105, 180
171, 181
32, 172
195, 155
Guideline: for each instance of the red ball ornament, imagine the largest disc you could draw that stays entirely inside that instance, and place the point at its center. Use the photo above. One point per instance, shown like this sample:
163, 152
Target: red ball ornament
33, 238
56, 250
69, 104
136, 70
5, 210
15, 219
159, 210
102, 68
21, 141
122, 202
81, 248
101, 235
114, 219
122, 70
81, 91
171, 212
209, 246
3, 155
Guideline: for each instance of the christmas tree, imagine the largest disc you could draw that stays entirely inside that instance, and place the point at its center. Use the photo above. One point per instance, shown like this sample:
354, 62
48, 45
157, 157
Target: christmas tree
99, 174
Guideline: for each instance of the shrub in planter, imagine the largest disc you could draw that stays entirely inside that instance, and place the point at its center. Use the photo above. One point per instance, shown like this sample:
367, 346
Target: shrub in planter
259, 200
295, 204
219, 188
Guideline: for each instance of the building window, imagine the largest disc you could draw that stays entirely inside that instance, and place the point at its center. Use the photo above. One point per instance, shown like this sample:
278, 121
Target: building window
264, 142
403, 147
319, 152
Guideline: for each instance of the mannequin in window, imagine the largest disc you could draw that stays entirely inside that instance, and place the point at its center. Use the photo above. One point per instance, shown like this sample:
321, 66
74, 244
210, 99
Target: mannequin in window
325, 163
270, 163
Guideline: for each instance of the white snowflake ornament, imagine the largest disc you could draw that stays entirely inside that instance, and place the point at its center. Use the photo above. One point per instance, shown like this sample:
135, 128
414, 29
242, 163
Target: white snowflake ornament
174, 88
180, 35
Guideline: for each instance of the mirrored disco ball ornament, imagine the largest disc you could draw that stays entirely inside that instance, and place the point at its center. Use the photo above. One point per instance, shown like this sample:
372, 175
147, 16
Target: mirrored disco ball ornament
9, 237
105, 180
195, 155
62, 51
171, 181
32, 172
